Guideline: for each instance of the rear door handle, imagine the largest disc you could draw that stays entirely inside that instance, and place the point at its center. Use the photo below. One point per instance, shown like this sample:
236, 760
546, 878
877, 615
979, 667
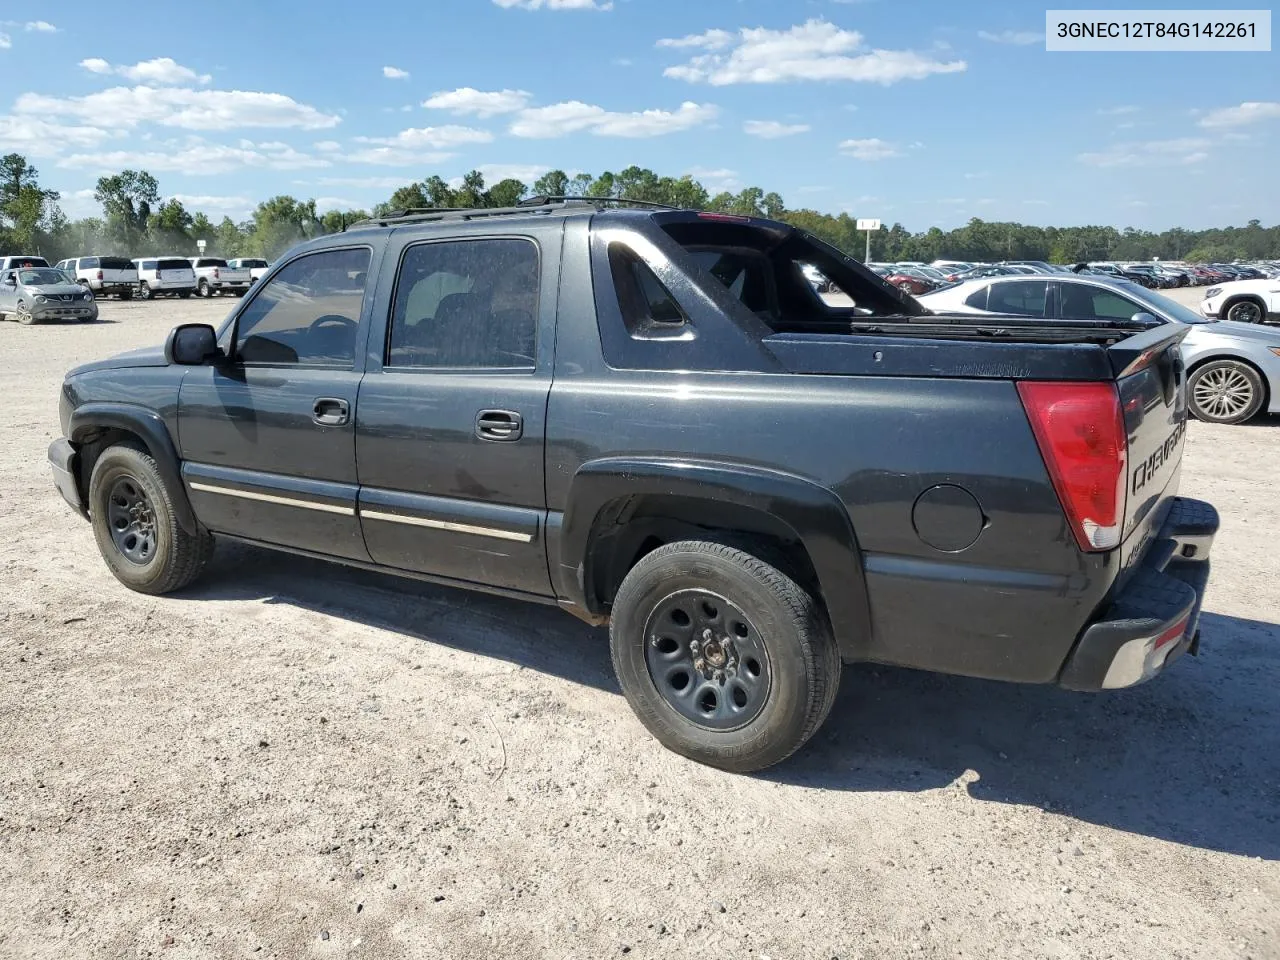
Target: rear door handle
330, 412
499, 425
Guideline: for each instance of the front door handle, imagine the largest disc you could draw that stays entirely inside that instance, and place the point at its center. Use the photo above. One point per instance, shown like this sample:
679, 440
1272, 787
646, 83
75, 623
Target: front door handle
499, 425
330, 412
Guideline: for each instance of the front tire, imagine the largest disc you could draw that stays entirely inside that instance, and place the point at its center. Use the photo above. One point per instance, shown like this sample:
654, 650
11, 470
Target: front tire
725, 659
1225, 391
23, 313
136, 526
1246, 311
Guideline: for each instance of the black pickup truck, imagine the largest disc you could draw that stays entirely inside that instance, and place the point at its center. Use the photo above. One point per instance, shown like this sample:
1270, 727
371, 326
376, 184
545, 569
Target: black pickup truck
652, 419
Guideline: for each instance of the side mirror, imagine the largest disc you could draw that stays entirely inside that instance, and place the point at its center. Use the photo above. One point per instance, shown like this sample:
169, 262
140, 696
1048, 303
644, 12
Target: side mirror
11, 281
192, 345
1146, 319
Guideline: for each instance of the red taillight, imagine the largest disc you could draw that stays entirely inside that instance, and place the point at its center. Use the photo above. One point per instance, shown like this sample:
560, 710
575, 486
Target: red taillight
1081, 434
99, 274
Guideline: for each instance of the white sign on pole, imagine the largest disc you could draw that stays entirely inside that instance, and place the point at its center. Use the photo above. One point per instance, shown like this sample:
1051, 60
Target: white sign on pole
200, 245
868, 224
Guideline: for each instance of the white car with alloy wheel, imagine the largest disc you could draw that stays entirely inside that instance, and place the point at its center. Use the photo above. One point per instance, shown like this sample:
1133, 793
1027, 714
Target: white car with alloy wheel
1244, 301
1233, 369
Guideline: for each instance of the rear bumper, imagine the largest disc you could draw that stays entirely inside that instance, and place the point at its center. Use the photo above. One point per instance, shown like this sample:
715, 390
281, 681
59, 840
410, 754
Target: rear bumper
1155, 618
62, 460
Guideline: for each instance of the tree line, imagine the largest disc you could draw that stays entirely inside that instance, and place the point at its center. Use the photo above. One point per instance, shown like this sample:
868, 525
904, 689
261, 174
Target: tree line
137, 221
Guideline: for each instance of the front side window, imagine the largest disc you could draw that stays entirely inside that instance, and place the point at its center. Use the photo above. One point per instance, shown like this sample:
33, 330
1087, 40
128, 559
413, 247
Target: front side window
1081, 302
1023, 298
466, 303
308, 314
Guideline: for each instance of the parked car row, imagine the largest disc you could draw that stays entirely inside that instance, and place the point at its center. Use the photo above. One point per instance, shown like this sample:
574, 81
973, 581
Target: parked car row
1232, 368
145, 277
921, 278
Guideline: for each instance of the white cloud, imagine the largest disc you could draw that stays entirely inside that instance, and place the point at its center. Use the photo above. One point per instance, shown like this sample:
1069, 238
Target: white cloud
5, 41
1035, 203
78, 204
561, 119
556, 4
1117, 111
435, 138
871, 148
711, 40
180, 107
481, 103
815, 50
393, 157
325, 204
1181, 151
1251, 111
162, 70
772, 129
35, 137
1019, 38
204, 203
39, 26
395, 73
199, 158
717, 179
327, 146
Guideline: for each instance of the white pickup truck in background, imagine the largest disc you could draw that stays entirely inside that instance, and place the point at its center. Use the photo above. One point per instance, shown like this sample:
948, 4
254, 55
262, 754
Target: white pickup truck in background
213, 275
103, 275
257, 268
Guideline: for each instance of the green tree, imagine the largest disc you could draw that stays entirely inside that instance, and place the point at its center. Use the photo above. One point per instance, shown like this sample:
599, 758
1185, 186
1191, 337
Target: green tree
28, 214
505, 193
554, 183
127, 198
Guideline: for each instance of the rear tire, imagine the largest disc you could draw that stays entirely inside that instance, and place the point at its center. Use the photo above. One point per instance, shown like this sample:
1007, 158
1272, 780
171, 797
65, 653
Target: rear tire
144, 291
1225, 391
202, 289
136, 526
725, 659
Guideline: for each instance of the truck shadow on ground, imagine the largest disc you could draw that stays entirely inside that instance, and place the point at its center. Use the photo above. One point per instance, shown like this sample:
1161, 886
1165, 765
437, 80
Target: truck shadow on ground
1192, 757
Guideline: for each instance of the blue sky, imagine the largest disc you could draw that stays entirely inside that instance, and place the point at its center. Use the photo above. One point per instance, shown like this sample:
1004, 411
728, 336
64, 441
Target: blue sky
927, 113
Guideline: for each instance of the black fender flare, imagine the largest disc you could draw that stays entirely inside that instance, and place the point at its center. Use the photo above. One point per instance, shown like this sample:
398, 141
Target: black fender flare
90, 418
816, 514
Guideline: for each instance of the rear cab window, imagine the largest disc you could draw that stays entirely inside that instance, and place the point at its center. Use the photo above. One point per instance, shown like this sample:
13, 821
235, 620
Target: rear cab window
171, 264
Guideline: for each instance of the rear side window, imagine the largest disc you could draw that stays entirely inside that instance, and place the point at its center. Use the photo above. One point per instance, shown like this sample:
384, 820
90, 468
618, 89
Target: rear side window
1020, 297
467, 303
169, 264
308, 314
89, 263
648, 308
978, 299
147, 265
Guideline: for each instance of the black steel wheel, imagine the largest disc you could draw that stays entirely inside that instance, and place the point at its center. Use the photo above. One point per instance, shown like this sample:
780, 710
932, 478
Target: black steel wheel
136, 524
707, 659
723, 657
1246, 311
1225, 391
132, 520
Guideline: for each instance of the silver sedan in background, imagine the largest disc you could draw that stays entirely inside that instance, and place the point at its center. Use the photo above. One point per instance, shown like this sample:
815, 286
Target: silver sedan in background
1233, 369
32, 294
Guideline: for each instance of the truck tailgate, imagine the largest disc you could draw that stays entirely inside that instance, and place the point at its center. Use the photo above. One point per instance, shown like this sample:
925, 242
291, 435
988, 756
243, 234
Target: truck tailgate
1152, 383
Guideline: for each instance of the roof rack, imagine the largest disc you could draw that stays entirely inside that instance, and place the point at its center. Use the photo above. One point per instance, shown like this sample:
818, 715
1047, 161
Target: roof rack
539, 204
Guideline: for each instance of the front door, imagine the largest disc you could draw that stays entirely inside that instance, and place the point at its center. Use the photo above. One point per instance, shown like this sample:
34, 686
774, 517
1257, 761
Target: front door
451, 421
268, 439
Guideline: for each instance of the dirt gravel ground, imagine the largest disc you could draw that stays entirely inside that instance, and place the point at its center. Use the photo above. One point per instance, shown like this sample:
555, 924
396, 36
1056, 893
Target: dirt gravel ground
293, 759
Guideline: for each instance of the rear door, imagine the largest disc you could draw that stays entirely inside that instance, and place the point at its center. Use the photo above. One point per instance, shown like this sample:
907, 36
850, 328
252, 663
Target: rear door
268, 440
451, 421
